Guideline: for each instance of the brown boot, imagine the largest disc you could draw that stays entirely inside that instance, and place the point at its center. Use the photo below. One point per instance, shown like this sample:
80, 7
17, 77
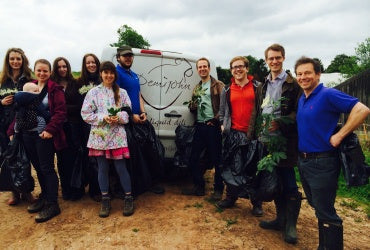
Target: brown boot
105, 207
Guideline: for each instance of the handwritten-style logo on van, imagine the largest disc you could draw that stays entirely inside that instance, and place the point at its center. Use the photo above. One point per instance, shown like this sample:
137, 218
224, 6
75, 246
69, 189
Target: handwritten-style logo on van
171, 77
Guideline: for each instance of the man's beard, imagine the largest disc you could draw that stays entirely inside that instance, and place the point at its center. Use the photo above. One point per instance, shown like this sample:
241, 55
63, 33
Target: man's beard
125, 66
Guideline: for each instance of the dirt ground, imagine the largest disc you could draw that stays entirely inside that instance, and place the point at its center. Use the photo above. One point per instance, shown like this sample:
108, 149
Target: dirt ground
168, 221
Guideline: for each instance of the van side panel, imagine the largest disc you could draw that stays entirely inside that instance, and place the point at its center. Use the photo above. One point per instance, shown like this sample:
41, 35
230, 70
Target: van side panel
167, 80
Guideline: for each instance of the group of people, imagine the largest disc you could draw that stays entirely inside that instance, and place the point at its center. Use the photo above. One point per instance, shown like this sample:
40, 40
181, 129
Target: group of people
58, 118
52, 115
304, 113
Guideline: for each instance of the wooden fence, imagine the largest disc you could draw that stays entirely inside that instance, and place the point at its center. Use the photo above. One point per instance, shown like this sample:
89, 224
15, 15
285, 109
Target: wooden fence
358, 86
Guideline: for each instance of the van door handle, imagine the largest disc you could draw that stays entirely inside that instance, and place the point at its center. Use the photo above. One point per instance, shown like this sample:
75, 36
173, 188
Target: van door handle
172, 114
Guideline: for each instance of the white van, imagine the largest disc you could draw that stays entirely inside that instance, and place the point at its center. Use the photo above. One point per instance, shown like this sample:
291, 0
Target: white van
167, 80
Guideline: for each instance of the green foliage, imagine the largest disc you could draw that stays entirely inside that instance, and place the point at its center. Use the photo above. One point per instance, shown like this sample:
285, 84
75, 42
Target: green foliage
321, 65
224, 75
6, 92
352, 65
363, 54
84, 89
129, 36
198, 205
135, 230
113, 111
231, 221
274, 141
76, 75
196, 99
257, 68
339, 62
350, 204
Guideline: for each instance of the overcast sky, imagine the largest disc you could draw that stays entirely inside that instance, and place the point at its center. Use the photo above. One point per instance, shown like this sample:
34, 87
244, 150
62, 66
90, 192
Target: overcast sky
219, 30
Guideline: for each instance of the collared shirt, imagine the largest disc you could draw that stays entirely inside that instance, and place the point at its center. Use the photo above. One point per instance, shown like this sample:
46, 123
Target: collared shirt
242, 103
128, 80
205, 111
318, 115
273, 93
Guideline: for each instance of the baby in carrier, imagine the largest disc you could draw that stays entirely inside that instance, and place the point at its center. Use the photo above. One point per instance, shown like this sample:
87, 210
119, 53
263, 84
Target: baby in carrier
32, 114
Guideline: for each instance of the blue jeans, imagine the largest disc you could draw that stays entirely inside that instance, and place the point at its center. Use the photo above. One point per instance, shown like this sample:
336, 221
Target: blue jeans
206, 137
319, 178
103, 174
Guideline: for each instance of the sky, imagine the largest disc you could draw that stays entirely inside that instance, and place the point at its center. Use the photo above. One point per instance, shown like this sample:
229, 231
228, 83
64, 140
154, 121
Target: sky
218, 30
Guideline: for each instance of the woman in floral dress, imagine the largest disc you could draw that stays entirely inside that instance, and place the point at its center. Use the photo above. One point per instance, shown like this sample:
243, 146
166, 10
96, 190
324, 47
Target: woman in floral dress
107, 139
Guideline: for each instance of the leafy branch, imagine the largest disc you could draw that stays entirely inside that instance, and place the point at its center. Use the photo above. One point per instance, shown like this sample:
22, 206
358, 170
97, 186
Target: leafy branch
84, 89
274, 141
6, 92
113, 111
196, 99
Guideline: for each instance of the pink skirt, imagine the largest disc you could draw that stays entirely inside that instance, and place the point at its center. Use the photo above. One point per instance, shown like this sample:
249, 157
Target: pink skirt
115, 154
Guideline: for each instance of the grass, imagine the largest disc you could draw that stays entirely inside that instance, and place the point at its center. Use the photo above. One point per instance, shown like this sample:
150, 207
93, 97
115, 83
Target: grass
230, 221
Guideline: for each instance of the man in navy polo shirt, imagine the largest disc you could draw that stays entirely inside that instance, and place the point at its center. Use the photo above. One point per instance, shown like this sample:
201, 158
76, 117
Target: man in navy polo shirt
128, 80
319, 109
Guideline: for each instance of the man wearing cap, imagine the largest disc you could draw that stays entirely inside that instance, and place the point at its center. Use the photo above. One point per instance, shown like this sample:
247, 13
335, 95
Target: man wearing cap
128, 80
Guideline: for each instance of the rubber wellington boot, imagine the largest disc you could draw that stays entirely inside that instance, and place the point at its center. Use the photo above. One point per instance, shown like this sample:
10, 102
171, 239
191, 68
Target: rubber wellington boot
321, 236
333, 236
278, 223
293, 206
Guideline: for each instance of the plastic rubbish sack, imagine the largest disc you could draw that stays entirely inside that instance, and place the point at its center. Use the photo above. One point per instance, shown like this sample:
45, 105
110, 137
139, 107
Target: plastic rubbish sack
267, 186
183, 141
239, 159
151, 148
16, 160
355, 170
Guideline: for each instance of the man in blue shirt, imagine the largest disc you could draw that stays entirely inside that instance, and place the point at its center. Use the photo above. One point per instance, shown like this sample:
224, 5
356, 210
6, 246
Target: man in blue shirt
128, 80
318, 113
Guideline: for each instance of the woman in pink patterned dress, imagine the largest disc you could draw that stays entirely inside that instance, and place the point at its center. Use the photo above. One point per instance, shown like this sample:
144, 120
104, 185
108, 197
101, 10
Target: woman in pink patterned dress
107, 139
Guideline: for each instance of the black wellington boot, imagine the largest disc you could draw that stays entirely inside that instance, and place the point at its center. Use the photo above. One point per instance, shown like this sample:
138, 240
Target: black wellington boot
278, 223
321, 236
333, 236
293, 206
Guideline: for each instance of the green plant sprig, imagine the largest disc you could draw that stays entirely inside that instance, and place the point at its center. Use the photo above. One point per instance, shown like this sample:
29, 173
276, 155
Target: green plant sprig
84, 89
196, 98
113, 111
6, 92
274, 142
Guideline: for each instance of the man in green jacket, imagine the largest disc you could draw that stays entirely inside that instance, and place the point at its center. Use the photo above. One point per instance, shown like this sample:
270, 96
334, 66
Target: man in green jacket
282, 89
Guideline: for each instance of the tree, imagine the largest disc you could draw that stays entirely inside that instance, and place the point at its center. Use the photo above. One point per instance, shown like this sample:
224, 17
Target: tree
338, 62
224, 75
129, 36
257, 68
363, 54
321, 65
